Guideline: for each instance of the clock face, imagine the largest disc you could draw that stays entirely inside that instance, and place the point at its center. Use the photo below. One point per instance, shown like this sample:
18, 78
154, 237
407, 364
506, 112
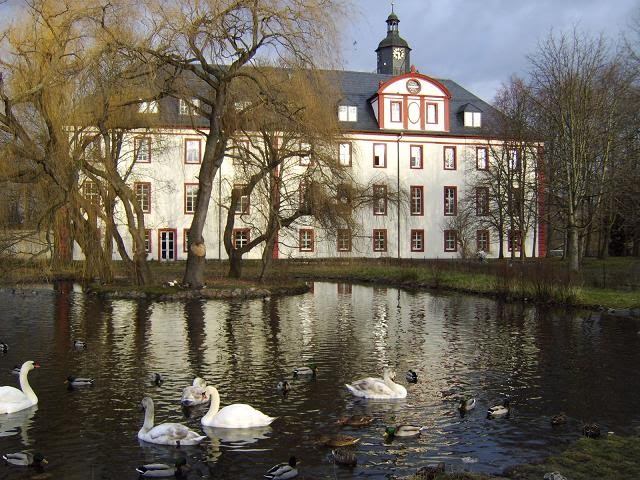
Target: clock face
413, 86
398, 53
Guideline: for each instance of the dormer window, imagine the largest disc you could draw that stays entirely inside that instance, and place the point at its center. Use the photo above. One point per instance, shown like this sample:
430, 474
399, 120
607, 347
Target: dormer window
347, 113
188, 107
148, 107
472, 115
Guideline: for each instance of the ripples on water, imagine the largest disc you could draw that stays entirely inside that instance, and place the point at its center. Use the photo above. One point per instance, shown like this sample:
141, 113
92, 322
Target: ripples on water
545, 361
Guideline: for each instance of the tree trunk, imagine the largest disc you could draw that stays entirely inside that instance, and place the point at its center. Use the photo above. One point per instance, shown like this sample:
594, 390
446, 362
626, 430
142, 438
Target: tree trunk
573, 244
62, 250
235, 264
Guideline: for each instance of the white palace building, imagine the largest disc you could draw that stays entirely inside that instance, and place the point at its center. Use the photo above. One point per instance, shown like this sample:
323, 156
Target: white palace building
422, 134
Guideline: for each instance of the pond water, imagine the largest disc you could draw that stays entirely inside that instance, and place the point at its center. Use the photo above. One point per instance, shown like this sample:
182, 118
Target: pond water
544, 361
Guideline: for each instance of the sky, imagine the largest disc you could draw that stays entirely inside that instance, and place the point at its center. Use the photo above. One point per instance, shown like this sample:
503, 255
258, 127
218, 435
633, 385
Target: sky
477, 43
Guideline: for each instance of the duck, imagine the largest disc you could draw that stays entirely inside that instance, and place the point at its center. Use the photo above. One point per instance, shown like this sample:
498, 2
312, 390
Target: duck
344, 456
496, 411
466, 405
4, 348
336, 441
283, 471
305, 371
156, 379
355, 421
25, 459
378, 388
78, 381
157, 470
402, 431
412, 377
195, 394
79, 344
165, 433
15, 370
283, 386
559, 419
591, 430
14, 400
238, 415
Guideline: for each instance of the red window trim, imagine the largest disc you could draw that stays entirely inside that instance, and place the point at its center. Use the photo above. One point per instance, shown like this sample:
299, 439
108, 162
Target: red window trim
135, 184
426, 113
185, 198
384, 197
421, 157
313, 240
455, 200
421, 249
235, 231
391, 104
444, 157
455, 240
375, 230
185, 240
486, 158
239, 186
186, 140
136, 145
510, 239
348, 233
488, 249
412, 188
480, 212
175, 241
384, 160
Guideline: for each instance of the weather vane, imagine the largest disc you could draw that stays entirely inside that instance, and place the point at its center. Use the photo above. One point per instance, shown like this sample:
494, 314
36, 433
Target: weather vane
391, 6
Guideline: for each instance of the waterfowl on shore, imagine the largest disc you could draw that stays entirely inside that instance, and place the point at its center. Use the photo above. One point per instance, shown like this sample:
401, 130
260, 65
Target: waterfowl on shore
305, 371
412, 377
591, 430
402, 431
466, 405
355, 421
14, 400
283, 471
497, 411
165, 433
159, 470
196, 393
156, 379
238, 415
336, 441
79, 344
24, 459
560, 419
378, 388
344, 456
78, 381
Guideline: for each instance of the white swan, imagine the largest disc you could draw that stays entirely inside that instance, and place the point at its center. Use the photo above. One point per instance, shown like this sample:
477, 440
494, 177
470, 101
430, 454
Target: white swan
14, 400
238, 415
196, 393
165, 433
378, 388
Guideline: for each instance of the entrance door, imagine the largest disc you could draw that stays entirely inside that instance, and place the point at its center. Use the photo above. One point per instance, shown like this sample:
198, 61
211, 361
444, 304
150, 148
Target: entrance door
167, 242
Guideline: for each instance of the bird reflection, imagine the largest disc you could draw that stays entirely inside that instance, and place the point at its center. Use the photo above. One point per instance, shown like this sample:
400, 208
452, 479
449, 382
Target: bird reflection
18, 423
237, 437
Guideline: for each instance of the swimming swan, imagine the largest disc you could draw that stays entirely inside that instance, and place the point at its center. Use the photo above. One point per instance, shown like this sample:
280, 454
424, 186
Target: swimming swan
165, 433
378, 388
196, 393
14, 400
238, 415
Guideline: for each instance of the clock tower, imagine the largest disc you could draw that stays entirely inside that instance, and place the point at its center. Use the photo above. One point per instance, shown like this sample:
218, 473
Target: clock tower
393, 51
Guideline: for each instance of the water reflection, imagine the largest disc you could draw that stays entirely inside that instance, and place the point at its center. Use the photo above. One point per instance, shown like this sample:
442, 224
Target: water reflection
545, 361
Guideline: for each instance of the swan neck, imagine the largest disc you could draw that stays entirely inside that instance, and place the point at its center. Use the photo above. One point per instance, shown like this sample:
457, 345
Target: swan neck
149, 414
215, 404
25, 387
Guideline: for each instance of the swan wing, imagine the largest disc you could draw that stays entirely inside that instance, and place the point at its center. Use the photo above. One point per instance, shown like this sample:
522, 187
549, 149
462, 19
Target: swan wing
240, 415
11, 395
172, 433
371, 388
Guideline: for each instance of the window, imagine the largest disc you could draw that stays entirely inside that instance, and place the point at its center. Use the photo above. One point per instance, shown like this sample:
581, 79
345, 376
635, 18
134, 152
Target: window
241, 237
147, 241
242, 200
185, 240
472, 119
306, 240
94, 151
514, 159
379, 199
192, 150
91, 192
417, 240
142, 191
148, 107
514, 240
450, 240
432, 113
347, 113
482, 156
415, 156
449, 158
142, 149
167, 243
416, 200
482, 201
305, 154
188, 107
379, 155
190, 197
344, 199
344, 240
450, 200
396, 111
482, 240
379, 240
345, 154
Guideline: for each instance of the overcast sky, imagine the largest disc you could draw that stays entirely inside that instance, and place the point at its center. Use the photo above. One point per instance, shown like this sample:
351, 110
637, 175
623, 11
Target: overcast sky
477, 43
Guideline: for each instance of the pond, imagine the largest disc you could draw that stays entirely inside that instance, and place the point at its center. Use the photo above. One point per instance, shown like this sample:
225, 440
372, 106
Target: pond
544, 361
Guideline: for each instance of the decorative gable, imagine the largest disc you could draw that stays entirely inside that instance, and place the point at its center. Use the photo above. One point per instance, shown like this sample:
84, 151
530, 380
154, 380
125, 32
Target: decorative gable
412, 102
